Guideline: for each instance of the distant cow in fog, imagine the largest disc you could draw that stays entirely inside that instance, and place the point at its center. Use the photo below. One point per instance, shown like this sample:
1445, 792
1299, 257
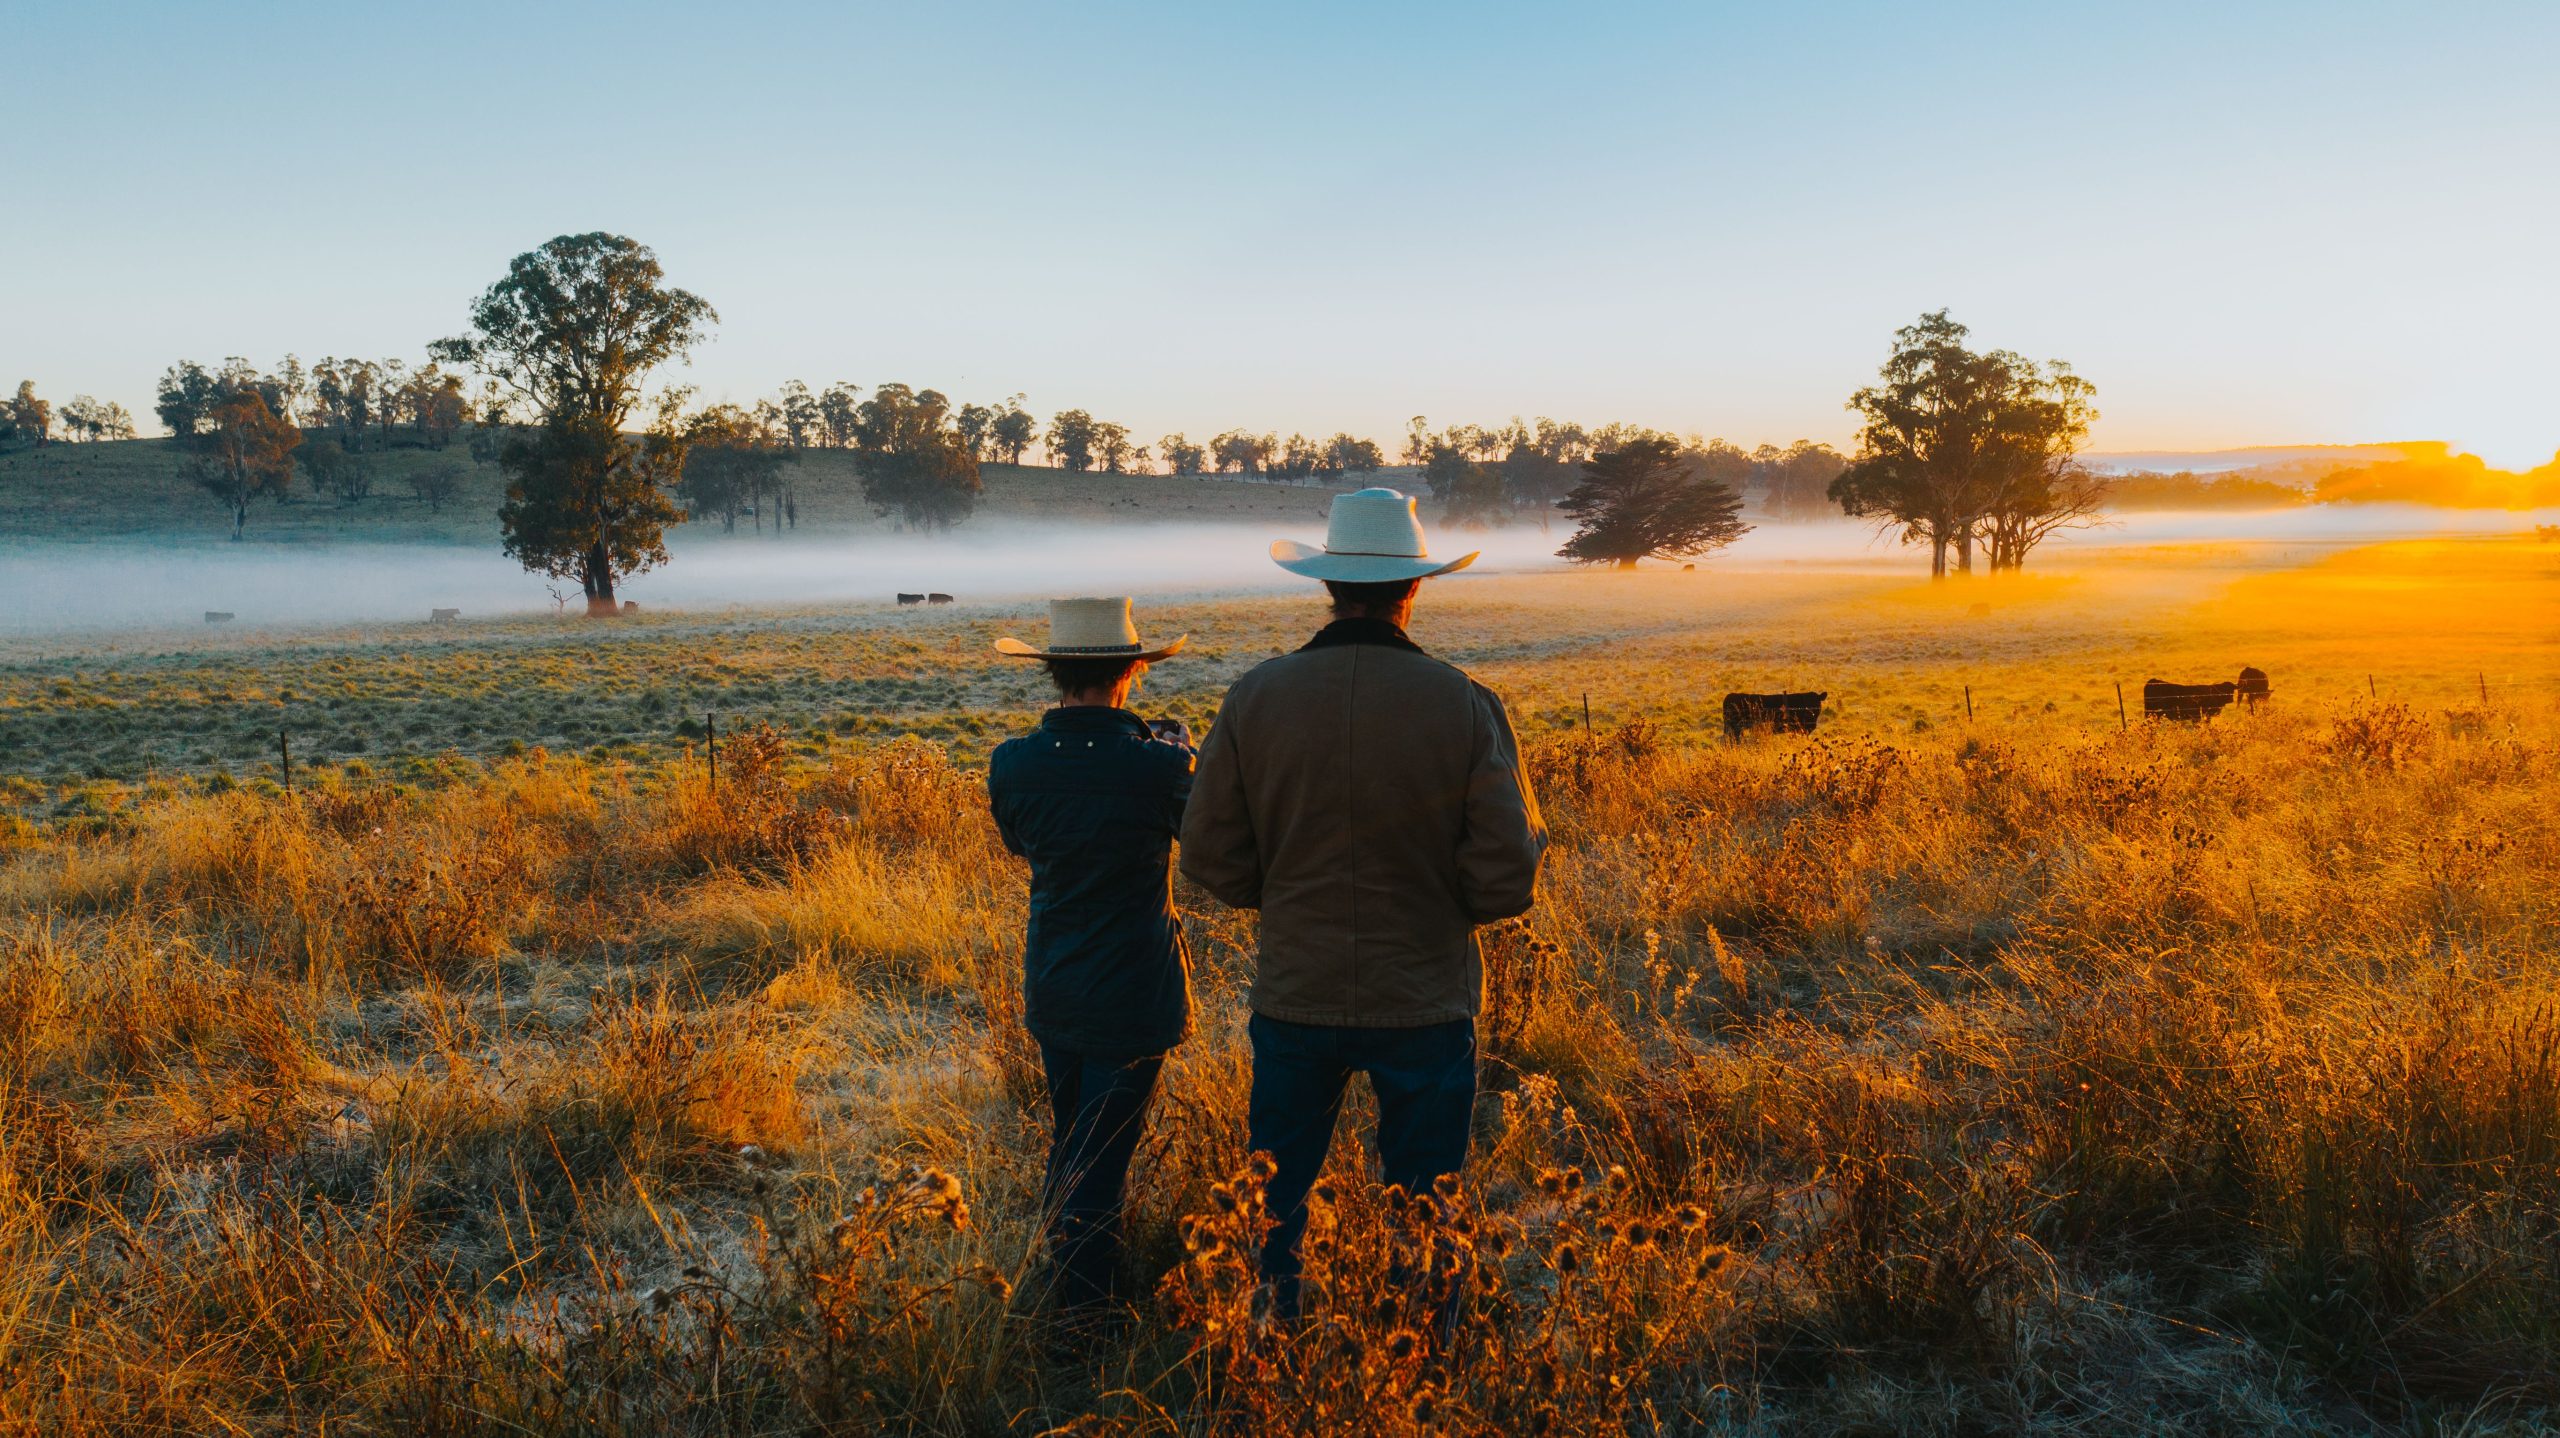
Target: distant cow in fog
2547, 533
2254, 689
2186, 703
937, 599
1777, 713
443, 616
911, 599
631, 606
218, 616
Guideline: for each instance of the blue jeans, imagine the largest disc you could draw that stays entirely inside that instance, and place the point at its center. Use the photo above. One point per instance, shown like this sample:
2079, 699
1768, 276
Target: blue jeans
1097, 1108
1425, 1080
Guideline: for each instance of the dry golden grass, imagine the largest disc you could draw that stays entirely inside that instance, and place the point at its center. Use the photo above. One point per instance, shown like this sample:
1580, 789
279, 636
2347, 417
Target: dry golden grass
1921, 1076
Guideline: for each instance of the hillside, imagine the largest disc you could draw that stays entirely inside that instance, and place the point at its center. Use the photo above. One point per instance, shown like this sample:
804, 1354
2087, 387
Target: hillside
130, 488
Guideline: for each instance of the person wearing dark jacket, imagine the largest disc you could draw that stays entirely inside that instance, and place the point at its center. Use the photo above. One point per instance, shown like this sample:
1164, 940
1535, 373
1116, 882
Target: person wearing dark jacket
1093, 799
1370, 801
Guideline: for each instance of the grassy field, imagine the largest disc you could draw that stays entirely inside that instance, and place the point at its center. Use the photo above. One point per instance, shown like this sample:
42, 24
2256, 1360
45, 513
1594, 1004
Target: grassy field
132, 489
2012, 1073
2426, 623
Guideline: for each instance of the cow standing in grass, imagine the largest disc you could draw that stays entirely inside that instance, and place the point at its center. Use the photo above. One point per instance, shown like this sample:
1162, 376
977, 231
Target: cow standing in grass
2186, 703
1775, 713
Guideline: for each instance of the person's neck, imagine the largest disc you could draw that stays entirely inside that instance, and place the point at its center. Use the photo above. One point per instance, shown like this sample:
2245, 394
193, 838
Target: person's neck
1401, 617
1095, 699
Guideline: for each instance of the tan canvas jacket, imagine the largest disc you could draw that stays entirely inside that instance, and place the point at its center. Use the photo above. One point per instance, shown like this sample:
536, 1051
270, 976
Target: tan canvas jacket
1369, 800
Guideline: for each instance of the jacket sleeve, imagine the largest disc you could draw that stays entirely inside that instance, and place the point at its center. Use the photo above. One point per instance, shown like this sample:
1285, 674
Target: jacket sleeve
1179, 768
1505, 838
1218, 849
1002, 811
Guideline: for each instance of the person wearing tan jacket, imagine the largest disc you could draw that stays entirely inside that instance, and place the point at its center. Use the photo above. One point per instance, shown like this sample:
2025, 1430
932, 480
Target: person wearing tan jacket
1370, 801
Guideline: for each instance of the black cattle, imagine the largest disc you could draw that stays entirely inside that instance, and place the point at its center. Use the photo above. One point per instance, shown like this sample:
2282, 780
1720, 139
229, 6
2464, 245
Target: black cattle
2186, 703
1777, 713
218, 616
443, 616
911, 599
2253, 686
937, 599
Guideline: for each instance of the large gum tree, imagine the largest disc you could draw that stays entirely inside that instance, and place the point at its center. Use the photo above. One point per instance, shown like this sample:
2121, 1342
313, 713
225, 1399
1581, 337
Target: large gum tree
569, 337
1956, 446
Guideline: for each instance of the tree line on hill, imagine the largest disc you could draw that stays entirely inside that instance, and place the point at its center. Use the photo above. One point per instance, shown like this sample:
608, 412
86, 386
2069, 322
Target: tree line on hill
2428, 473
917, 465
243, 432
1485, 475
25, 417
1958, 450
365, 405
1074, 440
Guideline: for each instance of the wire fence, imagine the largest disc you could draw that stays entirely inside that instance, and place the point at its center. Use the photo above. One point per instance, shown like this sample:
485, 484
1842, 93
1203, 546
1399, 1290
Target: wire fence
2479, 693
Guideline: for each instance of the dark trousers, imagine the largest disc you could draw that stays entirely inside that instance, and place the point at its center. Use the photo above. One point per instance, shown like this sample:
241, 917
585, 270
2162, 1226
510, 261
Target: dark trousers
1425, 1080
1097, 1108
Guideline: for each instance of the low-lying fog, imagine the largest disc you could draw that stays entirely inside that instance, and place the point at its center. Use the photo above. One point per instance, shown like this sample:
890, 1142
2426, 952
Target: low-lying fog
51, 589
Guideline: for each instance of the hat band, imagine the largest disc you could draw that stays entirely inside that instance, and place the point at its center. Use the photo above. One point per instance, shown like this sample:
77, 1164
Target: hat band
1096, 648
1370, 554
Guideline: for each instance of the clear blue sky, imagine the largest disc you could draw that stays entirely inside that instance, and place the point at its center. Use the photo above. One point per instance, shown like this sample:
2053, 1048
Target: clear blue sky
2246, 223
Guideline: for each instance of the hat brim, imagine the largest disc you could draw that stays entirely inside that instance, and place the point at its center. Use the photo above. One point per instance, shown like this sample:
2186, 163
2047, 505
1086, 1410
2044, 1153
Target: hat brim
1315, 563
1012, 648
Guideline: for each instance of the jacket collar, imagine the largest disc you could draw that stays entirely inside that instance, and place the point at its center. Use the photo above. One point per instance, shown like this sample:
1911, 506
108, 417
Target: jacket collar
1362, 631
1094, 719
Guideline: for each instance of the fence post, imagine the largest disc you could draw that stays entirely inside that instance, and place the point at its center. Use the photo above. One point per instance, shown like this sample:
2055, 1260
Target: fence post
1586, 714
284, 756
711, 744
2484, 688
2121, 721
1968, 701
2369, 691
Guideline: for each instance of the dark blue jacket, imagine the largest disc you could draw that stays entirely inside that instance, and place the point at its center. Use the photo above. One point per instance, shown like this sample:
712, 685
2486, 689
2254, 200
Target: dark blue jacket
1093, 800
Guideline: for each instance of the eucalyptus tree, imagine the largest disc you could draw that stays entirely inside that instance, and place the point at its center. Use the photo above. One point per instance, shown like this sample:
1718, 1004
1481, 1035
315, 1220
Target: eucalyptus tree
975, 424
803, 418
1070, 440
835, 414
1180, 455
1112, 448
915, 468
1795, 482
732, 463
92, 419
32, 417
1013, 429
1957, 445
242, 449
571, 335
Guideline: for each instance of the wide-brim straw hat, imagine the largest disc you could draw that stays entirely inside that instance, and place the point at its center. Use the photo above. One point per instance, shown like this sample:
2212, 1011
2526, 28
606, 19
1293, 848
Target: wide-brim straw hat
1091, 629
1371, 536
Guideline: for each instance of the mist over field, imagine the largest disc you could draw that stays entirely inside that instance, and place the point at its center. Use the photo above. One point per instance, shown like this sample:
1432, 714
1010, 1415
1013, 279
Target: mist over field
69, 588
53, 589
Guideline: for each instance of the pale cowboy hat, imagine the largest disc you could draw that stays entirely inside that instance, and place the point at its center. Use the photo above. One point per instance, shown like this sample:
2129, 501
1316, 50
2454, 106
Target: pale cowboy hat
1090, 629
1372, 536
